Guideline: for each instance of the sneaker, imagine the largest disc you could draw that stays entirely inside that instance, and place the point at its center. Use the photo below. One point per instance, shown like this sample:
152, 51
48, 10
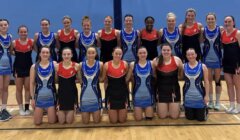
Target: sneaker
236, 111
21, 112
217, 107
3, 117
230, 110
5, 112
27, 112
210, 105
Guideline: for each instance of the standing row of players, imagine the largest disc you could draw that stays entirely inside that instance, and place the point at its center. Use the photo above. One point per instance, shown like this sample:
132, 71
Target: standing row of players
187, 35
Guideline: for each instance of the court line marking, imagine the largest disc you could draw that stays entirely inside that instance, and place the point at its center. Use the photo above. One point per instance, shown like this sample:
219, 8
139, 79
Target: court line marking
232, 114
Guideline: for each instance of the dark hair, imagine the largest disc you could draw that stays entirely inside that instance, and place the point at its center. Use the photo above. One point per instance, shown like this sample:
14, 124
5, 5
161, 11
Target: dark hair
45, 19
67, 17
233, 19
191, 49
86, 18
3, 19
211, 13
22, 26
160, 57
117, 47
149, 17
67, 48
109, 17
128, 15
184, 25
39, 57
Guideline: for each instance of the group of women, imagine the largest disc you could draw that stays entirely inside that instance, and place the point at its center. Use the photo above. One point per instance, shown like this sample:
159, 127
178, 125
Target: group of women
189, 51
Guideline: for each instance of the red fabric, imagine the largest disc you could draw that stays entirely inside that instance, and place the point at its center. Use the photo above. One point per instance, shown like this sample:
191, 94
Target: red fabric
170, 67
67, 38
106, 36
116, 72
230, 38
23, 48
66, 73
149, 36
192, 31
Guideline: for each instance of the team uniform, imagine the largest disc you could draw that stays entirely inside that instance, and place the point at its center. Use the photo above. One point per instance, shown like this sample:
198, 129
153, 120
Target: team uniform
150, 42
212, 54
84, 42
194, 92
117, 91
174, 39
143, 93
129, 45
231, 52
5, 56
23, 59
67, 89
190, 39
168, 89
45, 90
67, 41
108, 43
90, 99
49, 41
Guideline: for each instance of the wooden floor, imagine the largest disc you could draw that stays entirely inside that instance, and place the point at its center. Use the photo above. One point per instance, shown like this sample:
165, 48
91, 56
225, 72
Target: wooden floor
220, 126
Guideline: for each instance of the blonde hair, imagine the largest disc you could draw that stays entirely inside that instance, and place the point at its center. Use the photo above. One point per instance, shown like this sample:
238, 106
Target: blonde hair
67, 17
171, 14
86, 18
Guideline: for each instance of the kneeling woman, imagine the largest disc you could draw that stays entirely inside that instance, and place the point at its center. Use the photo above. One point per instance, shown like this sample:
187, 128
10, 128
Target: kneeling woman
67, 89
168, 69
195, 95
117, 90
42, 87
91, 99
143, 93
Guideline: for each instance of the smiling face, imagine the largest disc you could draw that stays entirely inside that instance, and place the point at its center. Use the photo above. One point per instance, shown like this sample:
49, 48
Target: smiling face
3, 26
67, 23
191, 55
166, 51
117, 54
45, 25
142, 53
128, 22
23, 32
149, 24
211, 20
86, 25
190, 17
91, 53
171, 22
229, 23
108, 22
44, 54
67, 54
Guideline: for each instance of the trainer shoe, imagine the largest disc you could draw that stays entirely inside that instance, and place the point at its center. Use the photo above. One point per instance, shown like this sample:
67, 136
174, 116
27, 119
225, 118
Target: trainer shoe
3, 117
210, 105
230, 110
27, 112
236, 111
217, 107
4, 111
21, 112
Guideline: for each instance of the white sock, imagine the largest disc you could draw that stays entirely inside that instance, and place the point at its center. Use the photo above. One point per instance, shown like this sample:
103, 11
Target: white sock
232, 104
211, 97
4, 106
20, 107
218, 97
238, 106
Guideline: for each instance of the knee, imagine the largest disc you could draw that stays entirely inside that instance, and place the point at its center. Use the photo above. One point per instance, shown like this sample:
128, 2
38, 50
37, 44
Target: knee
138, 118
122, 120
61, 121
174, 116
37, 122
113, 121
85, 121
162, 116
69, 121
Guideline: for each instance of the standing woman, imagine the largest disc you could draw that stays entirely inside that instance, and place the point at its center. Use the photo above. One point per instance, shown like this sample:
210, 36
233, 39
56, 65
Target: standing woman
212, 57
169, 69
117, 90
45, 38
21, 68
129, 39
108, 40
67, 89
86, 38
143, 73
150, 38
191, 32
67, 38
91, 98
231, 62
172, 35
195, 96
42, 87
5, 67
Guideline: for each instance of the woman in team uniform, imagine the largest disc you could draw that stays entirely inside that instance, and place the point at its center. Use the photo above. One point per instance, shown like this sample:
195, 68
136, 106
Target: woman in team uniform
129, 40
5, 67
168, 69
67, 37
42, 87
86, 38
117, 90
195, 96
191, 32
143, 73
108, 40
172, 35
90, 98
150, 38
21, 68
212, 57
67, 89
45, 38
231, 62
